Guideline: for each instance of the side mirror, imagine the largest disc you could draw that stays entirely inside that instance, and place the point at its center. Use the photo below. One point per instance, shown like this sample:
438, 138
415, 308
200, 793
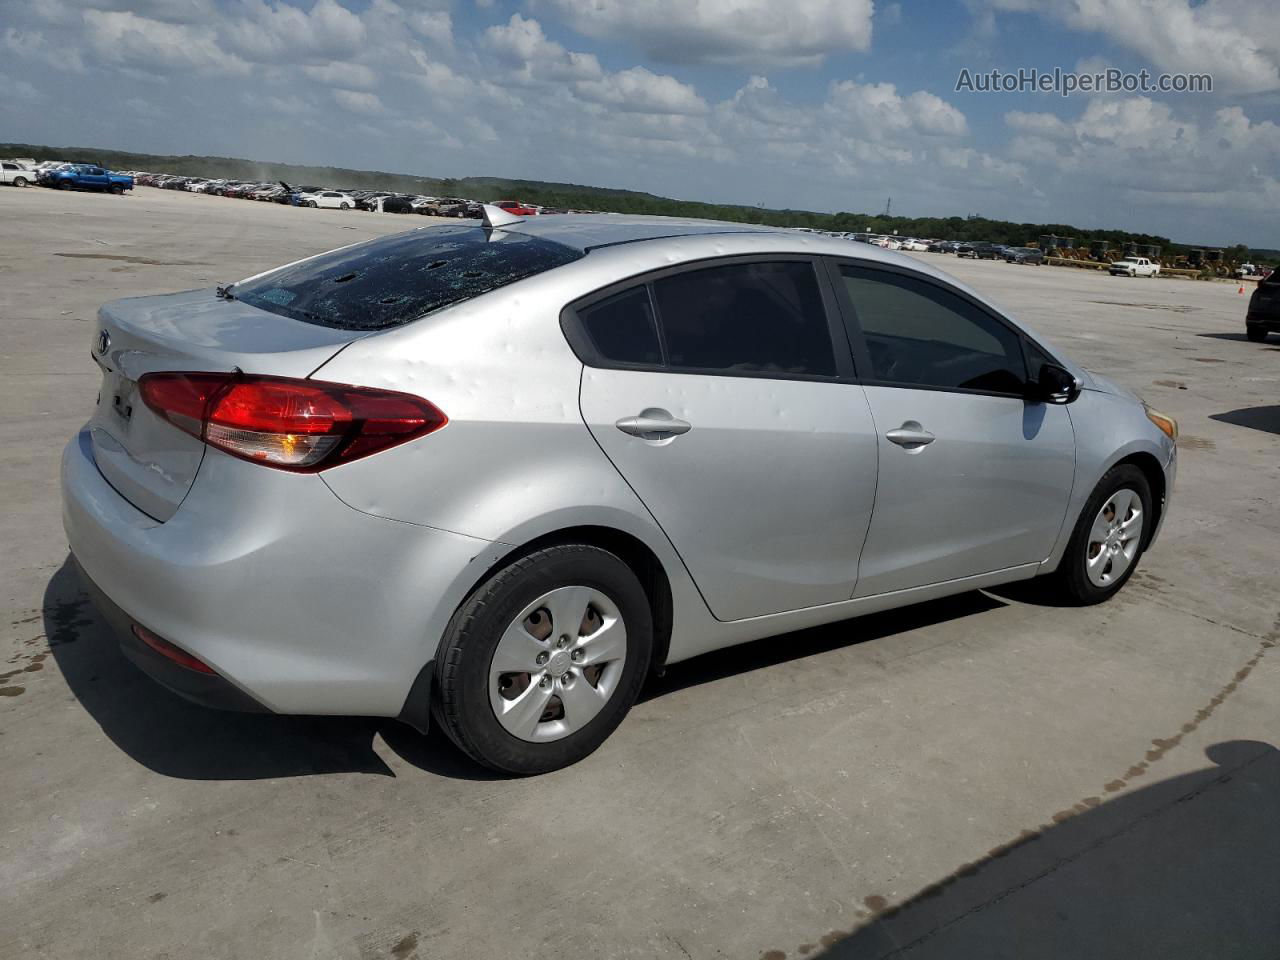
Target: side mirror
1054, 385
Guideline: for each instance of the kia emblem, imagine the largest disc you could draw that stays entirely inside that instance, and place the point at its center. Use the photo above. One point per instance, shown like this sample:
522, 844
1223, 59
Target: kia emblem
104, 343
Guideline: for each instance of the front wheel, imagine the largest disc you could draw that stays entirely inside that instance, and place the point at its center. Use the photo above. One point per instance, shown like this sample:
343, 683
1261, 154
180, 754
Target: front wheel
541, 663
118, 191
311, 203
1109, 538
19, 181
1255, 333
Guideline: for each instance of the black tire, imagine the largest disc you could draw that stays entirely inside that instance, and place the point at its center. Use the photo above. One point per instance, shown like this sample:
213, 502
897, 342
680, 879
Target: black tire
19, 181
462, 705
64, 185
311, 204
1070, 581
345, 205
118, 191
1255, 333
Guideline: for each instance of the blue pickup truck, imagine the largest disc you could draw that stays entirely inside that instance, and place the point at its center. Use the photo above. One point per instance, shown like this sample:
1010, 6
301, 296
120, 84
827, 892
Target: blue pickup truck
86, 176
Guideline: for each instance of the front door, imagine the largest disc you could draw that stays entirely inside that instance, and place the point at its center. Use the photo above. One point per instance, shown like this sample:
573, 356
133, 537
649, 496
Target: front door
973, 477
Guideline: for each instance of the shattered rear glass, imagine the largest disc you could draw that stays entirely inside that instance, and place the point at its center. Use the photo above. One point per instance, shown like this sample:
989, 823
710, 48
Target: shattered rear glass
393, 280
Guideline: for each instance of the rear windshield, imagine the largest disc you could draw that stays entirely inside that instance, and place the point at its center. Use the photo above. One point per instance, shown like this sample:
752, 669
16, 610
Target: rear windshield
393, 280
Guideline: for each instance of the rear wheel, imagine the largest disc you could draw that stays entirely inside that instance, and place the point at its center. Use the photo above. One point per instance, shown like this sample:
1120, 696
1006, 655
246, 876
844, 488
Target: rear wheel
1108, 539
345, 205
1255, 332
64, 185
544, 660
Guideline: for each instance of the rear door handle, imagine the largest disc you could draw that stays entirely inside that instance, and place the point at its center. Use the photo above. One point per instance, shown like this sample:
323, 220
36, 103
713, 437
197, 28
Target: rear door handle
653, 425
911, 436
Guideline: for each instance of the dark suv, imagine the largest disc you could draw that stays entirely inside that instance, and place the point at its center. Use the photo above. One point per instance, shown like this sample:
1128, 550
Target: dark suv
1264, 309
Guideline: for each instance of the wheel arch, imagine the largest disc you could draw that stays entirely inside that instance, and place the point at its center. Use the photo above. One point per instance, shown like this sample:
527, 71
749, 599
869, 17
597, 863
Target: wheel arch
631, 549
1156, 480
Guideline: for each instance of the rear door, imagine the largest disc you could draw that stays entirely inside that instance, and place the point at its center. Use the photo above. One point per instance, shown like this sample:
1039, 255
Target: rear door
723, 395
973, 477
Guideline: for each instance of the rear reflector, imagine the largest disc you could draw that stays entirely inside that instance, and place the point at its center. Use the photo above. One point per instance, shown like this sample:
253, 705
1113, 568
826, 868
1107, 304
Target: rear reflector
301, 425
169, 651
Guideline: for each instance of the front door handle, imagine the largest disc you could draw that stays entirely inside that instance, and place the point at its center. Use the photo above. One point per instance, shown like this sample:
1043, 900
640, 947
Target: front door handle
653, 425
910, 436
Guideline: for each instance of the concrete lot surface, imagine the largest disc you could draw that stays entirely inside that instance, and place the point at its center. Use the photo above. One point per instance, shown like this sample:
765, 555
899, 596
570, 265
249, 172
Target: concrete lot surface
980, 777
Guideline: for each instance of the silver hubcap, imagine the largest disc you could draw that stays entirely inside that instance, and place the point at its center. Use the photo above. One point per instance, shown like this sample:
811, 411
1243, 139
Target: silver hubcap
1114, 538
557, 664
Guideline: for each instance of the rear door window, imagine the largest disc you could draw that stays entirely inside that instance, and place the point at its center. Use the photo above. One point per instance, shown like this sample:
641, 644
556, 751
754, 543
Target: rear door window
748, 318
622, 330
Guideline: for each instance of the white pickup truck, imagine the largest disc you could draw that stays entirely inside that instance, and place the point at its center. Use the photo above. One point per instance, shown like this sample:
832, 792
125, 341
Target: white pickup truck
18, 174
1135, 267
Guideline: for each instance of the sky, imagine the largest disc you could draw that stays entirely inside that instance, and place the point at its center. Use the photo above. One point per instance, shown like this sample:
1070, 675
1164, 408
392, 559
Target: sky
824, 105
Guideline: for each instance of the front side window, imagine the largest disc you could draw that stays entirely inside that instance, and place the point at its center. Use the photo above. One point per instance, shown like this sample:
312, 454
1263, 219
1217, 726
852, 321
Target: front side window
746, 317
919, 334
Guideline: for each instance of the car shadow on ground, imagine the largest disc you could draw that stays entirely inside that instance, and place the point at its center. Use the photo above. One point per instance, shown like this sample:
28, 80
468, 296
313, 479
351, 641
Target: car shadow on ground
1266, 419
1182, 868
176, 738
1225, 336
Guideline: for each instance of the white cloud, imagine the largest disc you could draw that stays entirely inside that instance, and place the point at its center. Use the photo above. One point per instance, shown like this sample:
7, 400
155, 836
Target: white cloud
132, 41
1040, 124
354, 76
640, 91
358, 101
746, 32
276, 33
522, 45
877, 112
1237, 41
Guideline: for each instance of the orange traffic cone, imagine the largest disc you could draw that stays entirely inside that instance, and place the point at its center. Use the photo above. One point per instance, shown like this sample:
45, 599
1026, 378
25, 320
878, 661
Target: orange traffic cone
1241, 290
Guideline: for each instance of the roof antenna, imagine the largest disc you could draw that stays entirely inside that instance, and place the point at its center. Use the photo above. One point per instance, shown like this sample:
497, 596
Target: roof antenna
495, 217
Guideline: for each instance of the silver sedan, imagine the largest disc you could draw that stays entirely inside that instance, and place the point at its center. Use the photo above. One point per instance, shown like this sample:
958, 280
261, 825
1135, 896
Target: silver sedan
496, 474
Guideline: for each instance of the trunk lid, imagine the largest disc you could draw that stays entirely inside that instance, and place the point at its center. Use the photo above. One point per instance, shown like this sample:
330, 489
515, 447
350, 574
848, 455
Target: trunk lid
150, 462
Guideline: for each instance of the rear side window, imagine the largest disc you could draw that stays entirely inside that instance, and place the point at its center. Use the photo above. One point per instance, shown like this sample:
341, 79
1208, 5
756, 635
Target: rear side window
921, 335
622, 329
393, 280
748, 317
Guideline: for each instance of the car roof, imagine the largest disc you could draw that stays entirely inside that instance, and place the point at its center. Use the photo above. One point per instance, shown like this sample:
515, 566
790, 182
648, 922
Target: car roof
590, 231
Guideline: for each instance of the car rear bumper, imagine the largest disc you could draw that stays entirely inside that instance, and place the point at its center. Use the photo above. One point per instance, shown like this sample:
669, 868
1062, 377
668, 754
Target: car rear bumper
298, 602
206, 689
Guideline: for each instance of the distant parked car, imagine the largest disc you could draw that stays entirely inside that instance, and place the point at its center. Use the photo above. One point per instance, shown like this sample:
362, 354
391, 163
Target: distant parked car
516, 208
1264, 308
1033, 255
397, 205
1134, 267
917, 246
86, 176
331, 199
16, 173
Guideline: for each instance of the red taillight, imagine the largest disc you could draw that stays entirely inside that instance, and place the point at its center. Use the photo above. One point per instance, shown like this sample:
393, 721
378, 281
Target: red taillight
303, 425
166, 649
